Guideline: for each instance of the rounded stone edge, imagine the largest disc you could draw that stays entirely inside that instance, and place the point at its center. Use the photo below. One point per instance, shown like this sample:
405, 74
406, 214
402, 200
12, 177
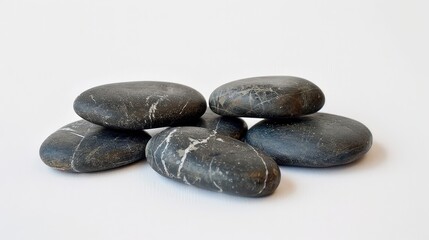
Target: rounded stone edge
52, 162
272, 168
318, 107
139, 126
283, 162
274, 175
66, 165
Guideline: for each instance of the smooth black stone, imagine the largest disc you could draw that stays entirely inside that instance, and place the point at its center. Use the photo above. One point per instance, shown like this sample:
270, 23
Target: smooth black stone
202, 158
229, 126
85, 147
140, 105
317, 140
267, 97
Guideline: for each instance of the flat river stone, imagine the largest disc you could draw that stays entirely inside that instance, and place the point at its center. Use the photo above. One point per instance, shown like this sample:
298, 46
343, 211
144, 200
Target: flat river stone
317, 140
229, 126
140, 105
202, 158
85, 147
267, 97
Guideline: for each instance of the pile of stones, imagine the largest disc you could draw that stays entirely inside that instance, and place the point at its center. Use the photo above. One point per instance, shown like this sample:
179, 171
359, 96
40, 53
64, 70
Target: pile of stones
209, 149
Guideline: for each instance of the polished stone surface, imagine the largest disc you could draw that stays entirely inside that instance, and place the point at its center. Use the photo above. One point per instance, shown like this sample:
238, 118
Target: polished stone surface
229, 126
202, 158
317, 140
267, 97
85, 147
140, 105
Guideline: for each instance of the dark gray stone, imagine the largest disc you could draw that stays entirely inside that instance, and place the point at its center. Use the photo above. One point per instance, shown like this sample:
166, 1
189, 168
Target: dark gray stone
140, 105
229, 126
267, 97
202, 158
317, 140
85, 147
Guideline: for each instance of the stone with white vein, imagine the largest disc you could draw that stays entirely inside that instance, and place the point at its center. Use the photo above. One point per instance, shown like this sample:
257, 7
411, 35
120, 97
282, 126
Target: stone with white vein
229, 126
267, 97
140, 105
85, 147
202, 158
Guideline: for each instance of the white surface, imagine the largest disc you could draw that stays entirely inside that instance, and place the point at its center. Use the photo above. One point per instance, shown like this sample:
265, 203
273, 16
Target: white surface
369, 57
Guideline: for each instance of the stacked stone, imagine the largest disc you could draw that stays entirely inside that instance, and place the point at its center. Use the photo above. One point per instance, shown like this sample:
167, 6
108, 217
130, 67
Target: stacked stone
204, 148
293, 133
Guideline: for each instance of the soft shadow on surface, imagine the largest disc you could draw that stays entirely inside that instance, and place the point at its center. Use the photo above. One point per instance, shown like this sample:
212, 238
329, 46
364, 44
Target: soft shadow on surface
118, 170
376, 156
170, 187
284, 190
372, 159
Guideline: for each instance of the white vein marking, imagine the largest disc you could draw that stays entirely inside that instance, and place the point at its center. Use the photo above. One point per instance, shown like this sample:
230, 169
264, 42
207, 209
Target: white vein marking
191, 147
167, 139
220, 140
77, 134
210, 176
72, 131
93, 152
258, 96
217, 126
266, 170
153, 108
92, 97
186, 180
75, 150
67, 129
183, 108
220, 189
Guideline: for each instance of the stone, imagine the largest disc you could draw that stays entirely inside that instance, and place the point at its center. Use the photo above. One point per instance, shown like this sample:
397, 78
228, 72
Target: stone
229, 126
317, 140
267, 97
85, 147
140, 105
200, 157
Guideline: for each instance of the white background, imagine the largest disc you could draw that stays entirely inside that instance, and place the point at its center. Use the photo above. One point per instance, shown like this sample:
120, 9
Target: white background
369, 57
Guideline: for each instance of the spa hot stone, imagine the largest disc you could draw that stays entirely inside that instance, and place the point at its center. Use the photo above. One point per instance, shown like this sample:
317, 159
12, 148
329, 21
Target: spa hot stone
267, 97
202, 158
317, 140
85, 147
140, 105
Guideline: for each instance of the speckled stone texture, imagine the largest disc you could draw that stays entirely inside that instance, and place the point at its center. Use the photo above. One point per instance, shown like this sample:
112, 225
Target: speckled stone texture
267, 97
85, 147
140, 105
229, 126
202, 158
317, 140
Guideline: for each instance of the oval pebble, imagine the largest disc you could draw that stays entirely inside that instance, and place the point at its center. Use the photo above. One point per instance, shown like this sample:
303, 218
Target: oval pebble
140, 105
85, 147
317, 140
199, 157
267, 97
